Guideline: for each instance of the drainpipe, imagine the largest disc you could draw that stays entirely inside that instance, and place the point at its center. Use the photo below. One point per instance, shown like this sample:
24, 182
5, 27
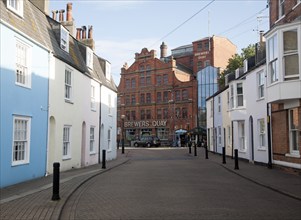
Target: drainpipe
269, 137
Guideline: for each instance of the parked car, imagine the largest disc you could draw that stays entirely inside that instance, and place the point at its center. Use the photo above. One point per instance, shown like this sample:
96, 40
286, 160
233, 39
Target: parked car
147, 141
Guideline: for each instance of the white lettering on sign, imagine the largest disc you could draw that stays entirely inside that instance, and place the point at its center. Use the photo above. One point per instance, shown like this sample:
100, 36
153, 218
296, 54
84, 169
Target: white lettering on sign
155, 123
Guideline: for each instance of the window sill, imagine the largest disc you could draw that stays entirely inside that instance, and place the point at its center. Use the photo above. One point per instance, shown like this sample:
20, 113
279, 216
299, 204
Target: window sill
23, 85
242, 151
261, 149
260, 99
92, 153
294, 155
93, 110
15, 164
68, 101
66, 158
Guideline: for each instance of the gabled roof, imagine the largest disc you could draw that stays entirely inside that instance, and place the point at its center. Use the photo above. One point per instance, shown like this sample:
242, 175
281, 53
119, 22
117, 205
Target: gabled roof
46, 31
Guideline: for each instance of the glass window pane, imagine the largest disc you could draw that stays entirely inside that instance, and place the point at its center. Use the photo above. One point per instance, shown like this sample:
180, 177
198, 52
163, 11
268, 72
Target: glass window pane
290, 40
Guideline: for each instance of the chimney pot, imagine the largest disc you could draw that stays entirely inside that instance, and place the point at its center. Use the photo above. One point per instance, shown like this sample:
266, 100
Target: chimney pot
78, 33
54, 14
90, 32
62, 15
69, 12
163, 48
84, 29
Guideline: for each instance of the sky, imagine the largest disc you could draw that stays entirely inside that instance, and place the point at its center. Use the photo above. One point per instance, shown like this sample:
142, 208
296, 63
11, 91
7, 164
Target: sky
123, 28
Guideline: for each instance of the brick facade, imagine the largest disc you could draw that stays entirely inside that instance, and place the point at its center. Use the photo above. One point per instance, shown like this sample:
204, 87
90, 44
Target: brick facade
157, 97
291, 10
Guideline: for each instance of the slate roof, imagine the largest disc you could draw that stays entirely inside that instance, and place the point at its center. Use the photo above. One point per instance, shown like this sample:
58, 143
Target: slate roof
46, 31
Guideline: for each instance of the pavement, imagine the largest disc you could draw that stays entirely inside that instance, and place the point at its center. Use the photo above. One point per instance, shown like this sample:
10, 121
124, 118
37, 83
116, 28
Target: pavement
32, 199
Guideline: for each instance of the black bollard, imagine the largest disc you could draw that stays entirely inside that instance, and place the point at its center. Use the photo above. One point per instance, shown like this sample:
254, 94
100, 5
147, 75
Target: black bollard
195, 150
122, 146
103, 159
189, 146
206, 152
236, 160
224, 155
56, 182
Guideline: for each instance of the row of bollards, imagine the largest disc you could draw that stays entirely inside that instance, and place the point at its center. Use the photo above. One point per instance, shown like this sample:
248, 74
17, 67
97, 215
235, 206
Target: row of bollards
236, 167
56, 177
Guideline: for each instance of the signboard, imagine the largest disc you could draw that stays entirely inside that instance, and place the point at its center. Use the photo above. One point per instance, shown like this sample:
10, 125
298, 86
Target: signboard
154, 123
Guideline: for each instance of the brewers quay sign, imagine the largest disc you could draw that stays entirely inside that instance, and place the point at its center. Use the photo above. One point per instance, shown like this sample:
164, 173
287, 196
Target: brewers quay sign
155, 123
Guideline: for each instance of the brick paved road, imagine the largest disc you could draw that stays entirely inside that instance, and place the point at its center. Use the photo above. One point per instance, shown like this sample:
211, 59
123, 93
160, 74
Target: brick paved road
170, 184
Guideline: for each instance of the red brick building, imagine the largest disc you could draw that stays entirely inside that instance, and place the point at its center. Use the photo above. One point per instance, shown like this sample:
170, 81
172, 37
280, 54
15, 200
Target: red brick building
284, 81
156, 96
209, 51
159, 96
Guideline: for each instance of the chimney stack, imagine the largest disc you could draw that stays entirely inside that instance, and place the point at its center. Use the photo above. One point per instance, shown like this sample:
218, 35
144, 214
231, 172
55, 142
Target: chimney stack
61, 15
163, 48
78, 33
69, 12
54, 14
261, 38
90, 32
84, 29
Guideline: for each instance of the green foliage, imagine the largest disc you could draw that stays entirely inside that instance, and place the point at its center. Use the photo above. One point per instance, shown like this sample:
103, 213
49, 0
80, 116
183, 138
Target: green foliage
236, 61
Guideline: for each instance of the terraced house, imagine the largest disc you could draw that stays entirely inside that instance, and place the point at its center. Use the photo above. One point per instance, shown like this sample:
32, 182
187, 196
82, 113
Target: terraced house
58, 100
264, 126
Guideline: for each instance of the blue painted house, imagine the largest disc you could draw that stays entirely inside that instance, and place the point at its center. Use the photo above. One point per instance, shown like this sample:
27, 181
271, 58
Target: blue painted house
24, 83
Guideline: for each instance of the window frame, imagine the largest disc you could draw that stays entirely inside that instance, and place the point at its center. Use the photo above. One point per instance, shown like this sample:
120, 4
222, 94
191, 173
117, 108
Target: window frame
260, 84
67, 148
241, 136
18, 8
272, 57
281, 8
109, 137
93, 102
239, 96
293, 151
261, 133
64, 39
26, 157
23, 60
68, 87
289, 53
92, 140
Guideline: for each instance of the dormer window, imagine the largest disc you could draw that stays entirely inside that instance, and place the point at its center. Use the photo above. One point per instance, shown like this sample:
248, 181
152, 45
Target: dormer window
64, 39
108, 71
16, 6
89, 58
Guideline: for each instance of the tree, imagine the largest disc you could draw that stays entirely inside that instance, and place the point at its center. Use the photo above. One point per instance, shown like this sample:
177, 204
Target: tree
236, 61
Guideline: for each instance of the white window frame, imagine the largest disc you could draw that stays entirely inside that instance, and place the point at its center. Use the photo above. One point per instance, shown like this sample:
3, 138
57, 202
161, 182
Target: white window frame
64, 39
109, 138
93, 102
92, 139
241, 136
219, 103
281, 8
110, 104
261, 133
15, 6
21, 136
89, 57
68, 85
293, 134
292, 52
66, 142
273, 66
211, 108
219, 135
239, 96
260, 84
23, 64
229, 135
231, 97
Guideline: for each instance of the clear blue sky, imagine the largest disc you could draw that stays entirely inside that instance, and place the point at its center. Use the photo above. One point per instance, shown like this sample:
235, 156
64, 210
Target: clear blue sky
122, 28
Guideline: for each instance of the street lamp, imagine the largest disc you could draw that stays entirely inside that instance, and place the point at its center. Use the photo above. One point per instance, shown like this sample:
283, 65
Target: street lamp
122, 133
